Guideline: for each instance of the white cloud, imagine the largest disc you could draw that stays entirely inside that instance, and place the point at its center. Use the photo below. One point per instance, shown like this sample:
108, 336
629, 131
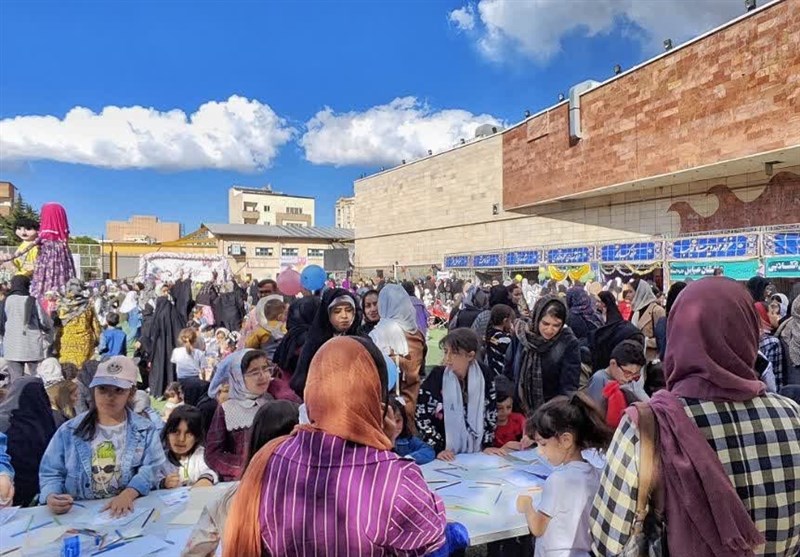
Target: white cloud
236, 134
463, 18
535, 28
403, 129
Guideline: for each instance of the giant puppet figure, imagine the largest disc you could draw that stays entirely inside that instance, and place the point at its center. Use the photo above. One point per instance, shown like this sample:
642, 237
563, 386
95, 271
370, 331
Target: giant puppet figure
54, 264
27, 230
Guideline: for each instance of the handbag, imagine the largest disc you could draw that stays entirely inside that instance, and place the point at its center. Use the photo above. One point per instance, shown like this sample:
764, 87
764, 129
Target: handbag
648, 537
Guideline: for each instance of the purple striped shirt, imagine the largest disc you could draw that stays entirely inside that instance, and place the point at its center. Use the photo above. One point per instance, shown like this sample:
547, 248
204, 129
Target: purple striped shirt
324, 496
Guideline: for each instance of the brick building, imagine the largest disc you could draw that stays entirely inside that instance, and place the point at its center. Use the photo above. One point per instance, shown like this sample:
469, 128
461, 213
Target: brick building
142, 229
672, 167
8, 197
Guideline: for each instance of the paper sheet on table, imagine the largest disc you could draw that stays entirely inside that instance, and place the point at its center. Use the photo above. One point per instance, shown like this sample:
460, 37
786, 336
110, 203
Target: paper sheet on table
202, 496
44, 536
528, 455
468, 491
141, 546
179, 537
521, 478
7, 514
175, 496
480, 461
190, 516
105, 518
7, 538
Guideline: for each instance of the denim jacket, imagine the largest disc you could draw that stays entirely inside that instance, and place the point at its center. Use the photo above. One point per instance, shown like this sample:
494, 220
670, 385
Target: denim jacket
5, 461
67, 463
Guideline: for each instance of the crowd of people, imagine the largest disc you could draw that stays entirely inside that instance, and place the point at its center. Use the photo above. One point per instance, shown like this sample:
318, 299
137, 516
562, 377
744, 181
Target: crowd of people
320, 409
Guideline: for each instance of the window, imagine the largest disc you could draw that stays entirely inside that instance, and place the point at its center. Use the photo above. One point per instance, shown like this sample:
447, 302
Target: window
316, 252
287, 252
264, 252
266, 208
294, 210
236, 250
249, 206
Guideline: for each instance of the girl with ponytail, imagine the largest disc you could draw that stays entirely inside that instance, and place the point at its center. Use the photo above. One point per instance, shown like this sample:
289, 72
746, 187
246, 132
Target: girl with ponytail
563, 427
188, 360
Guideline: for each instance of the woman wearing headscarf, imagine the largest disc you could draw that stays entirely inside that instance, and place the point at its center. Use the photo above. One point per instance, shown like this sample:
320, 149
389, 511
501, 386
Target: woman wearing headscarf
398, 337
660, 330
544, 359
582, 318
337, 316
613, 332
498, 295
162, 337
770, 347
475, 301
727, 492
132, 325
789, 333
301, 316
27, 421
25, 329
646, 313
291, 500
247, 374
757, 286
369, 312
80, 330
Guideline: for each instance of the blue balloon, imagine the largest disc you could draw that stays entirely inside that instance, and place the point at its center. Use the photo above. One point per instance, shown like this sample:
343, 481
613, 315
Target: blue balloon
391, 372
313, 277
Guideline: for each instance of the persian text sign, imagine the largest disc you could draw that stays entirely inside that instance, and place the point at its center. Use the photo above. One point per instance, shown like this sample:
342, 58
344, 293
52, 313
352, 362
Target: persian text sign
737, 270
456, 261
787, 243
563, 256
486, 260
630, 251
714, 247
523, 258
783, 267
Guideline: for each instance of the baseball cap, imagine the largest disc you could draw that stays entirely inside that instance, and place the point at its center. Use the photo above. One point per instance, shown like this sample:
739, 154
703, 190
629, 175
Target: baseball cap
117, 371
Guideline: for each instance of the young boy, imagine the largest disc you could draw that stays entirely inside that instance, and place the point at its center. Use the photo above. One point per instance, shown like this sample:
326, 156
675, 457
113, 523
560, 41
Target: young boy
113, 341
510, 425
619, 385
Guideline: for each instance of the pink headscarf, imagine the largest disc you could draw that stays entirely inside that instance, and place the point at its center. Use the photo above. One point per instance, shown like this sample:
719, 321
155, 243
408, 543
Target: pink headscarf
713, 333
54, 225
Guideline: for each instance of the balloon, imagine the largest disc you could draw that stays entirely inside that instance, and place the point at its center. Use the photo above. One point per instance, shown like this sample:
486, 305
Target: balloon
313, 278
289, 282
391, 372
518, 278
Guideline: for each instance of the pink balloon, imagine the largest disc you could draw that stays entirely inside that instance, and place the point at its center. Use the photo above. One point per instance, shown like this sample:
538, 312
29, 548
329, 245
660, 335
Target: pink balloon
289, 282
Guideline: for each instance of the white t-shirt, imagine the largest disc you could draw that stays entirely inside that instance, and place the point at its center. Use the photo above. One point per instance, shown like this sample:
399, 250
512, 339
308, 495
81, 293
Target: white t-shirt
108, 446
567, 499
186, 365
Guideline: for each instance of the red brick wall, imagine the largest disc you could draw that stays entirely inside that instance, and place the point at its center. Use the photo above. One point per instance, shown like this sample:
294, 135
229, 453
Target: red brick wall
732, 94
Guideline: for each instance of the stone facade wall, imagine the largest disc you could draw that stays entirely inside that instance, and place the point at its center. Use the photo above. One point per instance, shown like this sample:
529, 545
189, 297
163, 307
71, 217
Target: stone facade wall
732, 94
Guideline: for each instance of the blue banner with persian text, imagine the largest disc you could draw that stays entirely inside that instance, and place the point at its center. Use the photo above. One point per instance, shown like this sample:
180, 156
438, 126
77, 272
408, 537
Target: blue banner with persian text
523, 258
714, 247
487, 260
630, 252
785, 243
569, 256
456, 261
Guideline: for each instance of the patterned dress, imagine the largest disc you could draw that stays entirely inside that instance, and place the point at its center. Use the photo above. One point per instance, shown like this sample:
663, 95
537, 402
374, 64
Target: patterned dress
54, 268
758, 443
79, 338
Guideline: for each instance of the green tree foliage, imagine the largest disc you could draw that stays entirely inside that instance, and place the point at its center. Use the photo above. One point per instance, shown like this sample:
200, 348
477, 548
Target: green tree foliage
8, 236
82, 240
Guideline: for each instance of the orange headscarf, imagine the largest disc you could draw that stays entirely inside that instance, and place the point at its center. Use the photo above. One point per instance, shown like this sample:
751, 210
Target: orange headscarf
343, 396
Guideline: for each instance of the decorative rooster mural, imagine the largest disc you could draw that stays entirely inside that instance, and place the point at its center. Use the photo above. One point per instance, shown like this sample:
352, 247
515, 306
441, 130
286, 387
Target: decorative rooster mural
777, 204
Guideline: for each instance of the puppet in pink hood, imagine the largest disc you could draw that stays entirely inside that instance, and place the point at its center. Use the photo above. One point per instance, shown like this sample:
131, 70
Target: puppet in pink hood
54, 265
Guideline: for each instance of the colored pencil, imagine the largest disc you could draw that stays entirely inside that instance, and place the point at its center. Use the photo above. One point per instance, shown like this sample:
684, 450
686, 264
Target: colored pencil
148, 517
489, 483
437, 481
446, 486
498, 496
448, 473
110, 547
7, 551
469, 509
79, 505
31, 529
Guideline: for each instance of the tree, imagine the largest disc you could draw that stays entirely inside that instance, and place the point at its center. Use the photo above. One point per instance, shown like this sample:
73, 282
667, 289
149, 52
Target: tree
82, 240
7, 230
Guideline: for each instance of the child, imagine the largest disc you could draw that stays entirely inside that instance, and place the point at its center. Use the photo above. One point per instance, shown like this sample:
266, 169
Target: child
174, 397
124, 454
406, 444
113, 341
498, 337
563, 427
271, 421
614, 388
188, 360
510, 425
182, 438
142, 407
271, 315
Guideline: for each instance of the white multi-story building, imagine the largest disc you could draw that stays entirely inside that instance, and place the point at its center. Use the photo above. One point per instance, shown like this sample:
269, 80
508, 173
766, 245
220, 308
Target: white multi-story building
346, 212
268, 207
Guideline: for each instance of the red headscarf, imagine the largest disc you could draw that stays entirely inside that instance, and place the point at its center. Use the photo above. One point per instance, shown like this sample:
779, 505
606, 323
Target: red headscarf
713, 334
54, 225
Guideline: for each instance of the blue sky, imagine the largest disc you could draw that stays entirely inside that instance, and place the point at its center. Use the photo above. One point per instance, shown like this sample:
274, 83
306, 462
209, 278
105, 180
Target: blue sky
303, 93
